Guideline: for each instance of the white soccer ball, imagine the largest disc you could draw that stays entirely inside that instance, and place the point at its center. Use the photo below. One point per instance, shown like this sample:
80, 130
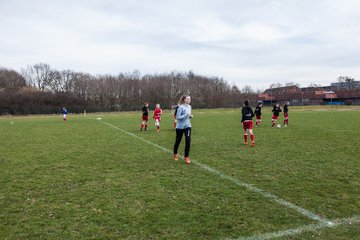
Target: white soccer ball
278, 126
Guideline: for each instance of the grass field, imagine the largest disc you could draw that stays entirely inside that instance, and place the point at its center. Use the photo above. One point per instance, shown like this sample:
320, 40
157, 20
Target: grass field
92, 179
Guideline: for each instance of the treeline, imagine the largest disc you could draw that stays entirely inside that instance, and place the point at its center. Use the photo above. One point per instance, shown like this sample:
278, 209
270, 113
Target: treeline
39, 89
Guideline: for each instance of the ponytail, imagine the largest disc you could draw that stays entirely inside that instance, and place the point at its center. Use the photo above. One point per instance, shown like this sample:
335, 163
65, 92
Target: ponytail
182, 99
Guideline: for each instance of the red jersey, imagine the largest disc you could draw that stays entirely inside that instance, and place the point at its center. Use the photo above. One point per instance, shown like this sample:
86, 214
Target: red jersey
157, 113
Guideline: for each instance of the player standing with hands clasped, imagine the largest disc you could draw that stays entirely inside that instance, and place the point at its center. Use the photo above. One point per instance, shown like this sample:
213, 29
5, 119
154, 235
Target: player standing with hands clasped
183, 126
247, 115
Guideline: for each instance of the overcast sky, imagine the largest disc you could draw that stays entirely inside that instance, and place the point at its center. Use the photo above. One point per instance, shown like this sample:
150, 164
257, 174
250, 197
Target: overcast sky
247, 42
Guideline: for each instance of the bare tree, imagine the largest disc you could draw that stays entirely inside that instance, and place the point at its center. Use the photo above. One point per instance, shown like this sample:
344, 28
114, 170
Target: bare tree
66, 79
54, 82
289, 84
247, 93
39, 75
129, 91
10, 79
275, 85
314, 85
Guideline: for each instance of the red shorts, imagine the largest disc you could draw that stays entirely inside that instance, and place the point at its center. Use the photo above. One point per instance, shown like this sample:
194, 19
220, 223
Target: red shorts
275, 117
248, 125
145, 118
286, 115
258, 117
157, 118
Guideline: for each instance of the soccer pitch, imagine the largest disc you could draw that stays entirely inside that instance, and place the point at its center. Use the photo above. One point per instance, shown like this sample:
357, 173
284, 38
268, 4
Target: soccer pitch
104, 179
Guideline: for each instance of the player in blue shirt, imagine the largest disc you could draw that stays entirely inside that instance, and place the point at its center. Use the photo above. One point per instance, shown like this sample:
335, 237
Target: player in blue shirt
64, 112
183, 126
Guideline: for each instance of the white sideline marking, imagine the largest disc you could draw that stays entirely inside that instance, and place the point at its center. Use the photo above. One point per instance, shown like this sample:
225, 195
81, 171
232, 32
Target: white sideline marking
269, 195
307, 228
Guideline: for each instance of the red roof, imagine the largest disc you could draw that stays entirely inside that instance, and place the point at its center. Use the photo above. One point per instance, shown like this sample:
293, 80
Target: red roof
294, 92
288, 89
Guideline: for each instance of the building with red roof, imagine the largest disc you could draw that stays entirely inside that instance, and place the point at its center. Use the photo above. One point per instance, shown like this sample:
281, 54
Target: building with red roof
328, 95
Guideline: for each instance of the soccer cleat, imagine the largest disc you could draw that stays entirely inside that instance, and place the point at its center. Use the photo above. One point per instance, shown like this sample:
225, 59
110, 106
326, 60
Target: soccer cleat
187, 160
252, 144
175, 156
245, 143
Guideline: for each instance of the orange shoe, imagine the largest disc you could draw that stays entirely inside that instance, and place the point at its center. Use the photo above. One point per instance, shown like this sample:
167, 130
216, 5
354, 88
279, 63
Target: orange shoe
187, 160
245, 143
175, 156
252, 144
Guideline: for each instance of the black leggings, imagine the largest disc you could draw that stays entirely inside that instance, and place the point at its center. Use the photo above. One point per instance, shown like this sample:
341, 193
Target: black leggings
179, 134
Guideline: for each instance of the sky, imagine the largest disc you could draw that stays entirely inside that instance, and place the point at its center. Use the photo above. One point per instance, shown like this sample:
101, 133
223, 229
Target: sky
246, 42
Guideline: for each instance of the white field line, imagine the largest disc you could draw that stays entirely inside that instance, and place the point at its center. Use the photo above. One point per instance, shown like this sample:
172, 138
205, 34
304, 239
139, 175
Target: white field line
307, 228
250, 187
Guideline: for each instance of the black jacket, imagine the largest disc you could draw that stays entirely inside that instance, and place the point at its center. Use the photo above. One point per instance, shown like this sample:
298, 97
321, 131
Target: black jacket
145, 111
285, 108
258, 110
247, 113
276, 110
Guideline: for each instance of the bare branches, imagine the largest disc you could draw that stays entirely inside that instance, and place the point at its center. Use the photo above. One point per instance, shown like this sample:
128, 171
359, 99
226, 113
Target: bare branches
127, 91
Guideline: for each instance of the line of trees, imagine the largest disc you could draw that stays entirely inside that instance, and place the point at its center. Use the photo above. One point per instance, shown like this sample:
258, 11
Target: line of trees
39, 89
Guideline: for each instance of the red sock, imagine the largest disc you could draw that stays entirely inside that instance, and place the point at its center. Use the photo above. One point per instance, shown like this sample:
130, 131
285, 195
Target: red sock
273, 124
145, 126
158, 127
245, 137
252, 137
142, 125
174, 124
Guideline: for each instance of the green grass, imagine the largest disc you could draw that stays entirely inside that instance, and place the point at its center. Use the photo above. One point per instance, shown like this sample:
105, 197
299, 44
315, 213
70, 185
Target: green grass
86, 180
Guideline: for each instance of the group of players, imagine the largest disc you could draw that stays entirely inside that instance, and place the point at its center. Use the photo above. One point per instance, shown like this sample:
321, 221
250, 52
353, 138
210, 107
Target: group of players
145, 117
276, 113
248, 114
183, 115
